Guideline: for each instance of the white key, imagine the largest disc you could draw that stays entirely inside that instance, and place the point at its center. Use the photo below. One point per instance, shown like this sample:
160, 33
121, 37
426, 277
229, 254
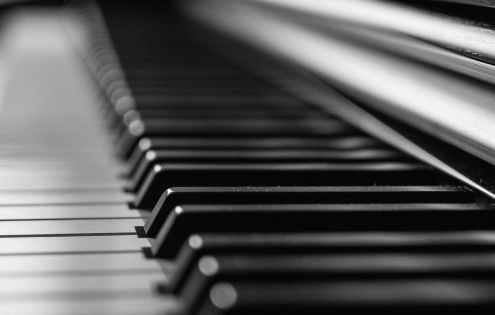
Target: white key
41, 197
67, 212
130, 304
46, 245
74, 285
32, 265
69, 227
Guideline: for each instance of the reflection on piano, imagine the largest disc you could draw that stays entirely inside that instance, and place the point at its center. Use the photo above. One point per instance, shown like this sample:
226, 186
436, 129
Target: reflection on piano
242, 185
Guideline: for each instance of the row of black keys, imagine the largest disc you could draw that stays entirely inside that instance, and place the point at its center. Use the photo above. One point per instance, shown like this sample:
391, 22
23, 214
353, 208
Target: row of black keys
269, 205
237, 134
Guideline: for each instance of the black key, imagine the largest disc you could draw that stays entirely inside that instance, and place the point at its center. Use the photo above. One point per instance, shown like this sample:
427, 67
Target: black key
272, 99
235, 128
187, 220
301, 195
394, 279
223, 143
230, 113
316, 297
261, 156
167, 81
164, 176
199, 90
220, 107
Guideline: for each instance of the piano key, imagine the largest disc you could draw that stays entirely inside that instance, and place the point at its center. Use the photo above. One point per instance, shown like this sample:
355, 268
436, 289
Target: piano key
300, 142
29, 173
223, 114
224, 103
92, 286
355, 297
184, 73
345, 242
302, 195
240, 128
320, 271
162, 58
190, 219
81, 211
61, 180
34, 161
15, 152
227, 113
164, 81
206, 72
275, 155
339, 143
198, 91
255, 156
40, 228
72, 244
62, 197
76, 264
151, 101
289, 267
164, 176
125, 303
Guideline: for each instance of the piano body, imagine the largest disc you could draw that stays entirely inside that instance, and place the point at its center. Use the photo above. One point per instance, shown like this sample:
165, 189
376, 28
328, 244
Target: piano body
152, 165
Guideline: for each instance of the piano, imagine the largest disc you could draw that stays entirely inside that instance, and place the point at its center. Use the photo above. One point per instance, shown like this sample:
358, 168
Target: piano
152, 165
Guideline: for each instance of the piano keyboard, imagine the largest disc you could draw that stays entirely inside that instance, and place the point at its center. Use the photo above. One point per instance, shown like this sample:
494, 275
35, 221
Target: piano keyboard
239, 198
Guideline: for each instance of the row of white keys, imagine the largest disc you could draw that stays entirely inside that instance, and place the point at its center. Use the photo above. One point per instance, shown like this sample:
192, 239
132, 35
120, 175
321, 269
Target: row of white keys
68, 243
